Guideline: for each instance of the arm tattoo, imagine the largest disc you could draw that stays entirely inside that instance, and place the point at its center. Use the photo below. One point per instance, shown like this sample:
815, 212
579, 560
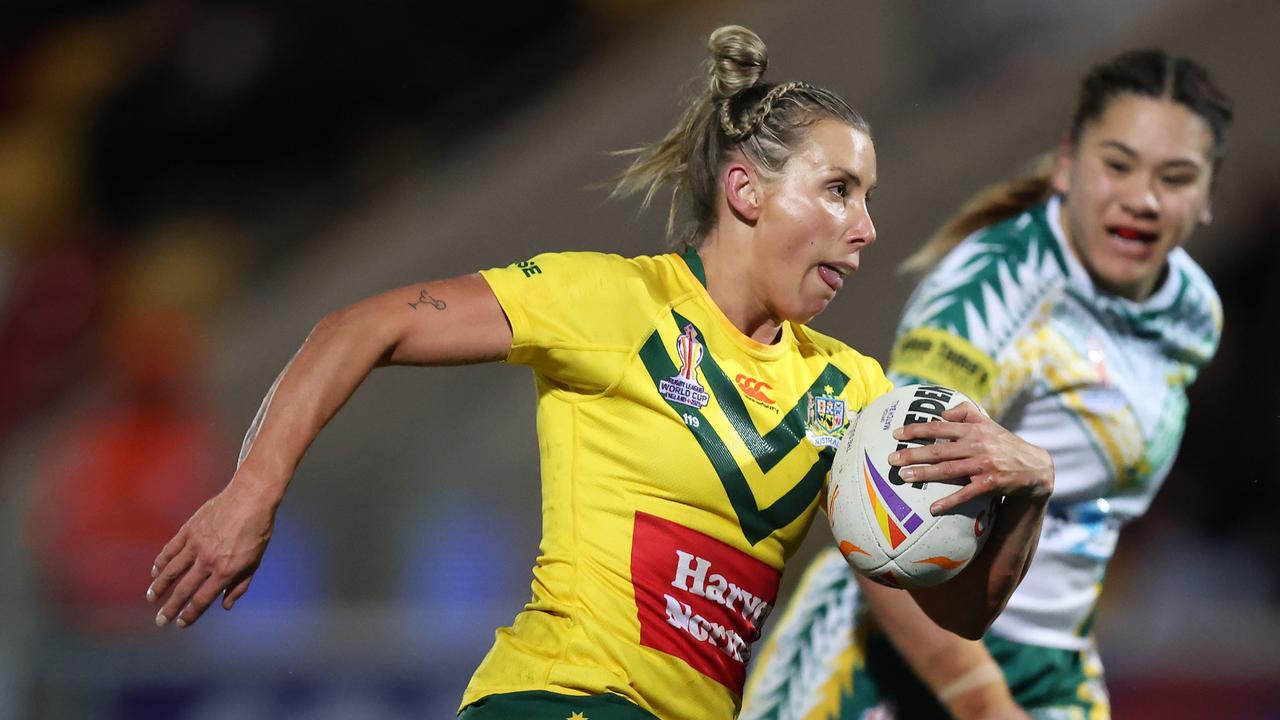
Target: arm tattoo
425, 297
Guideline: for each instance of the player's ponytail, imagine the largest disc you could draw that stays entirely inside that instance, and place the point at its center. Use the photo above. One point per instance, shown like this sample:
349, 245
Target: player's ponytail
991, 205
736, 111
1146, 73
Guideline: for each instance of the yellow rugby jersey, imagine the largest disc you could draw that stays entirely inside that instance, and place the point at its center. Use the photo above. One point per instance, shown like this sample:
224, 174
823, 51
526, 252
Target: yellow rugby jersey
682, 464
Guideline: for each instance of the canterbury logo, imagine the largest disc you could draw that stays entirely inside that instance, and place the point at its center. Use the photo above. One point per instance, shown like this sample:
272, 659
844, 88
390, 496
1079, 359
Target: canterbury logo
754, 388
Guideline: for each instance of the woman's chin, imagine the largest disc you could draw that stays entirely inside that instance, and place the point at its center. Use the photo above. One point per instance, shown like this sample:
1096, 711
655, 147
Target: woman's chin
809, 309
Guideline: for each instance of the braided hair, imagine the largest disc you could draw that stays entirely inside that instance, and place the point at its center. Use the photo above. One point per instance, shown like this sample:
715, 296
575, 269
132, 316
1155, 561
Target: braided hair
736, 112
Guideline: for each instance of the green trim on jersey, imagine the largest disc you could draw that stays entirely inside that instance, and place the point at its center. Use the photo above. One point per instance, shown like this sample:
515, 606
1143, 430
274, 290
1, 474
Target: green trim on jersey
1167, 438
768, 450
543, 705
694, 261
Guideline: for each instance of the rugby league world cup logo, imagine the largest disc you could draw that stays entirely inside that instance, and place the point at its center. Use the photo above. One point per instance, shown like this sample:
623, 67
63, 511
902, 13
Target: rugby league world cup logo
684, 387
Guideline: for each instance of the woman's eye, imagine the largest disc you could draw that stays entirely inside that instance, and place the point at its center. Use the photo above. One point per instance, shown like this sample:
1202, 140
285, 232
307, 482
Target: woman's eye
1178, 180
1117, 166
840, 189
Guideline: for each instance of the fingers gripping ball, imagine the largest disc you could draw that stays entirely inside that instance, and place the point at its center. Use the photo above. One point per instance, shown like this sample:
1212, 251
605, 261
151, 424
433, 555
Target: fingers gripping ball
882, 523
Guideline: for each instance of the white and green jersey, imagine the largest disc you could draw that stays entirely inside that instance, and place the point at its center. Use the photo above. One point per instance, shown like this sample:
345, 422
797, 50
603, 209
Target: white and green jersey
1011, 318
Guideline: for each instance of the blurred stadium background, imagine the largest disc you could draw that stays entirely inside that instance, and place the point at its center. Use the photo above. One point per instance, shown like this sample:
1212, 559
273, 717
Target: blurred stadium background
187, 186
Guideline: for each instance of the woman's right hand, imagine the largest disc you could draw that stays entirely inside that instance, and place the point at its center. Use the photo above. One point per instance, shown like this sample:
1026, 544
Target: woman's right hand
216, 552
980, 454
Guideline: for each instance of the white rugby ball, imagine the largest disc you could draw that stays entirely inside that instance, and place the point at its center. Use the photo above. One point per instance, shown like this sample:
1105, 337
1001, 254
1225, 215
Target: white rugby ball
882, 524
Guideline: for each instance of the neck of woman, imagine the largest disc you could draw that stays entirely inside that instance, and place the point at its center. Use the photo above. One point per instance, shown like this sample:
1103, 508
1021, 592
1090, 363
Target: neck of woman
735, 284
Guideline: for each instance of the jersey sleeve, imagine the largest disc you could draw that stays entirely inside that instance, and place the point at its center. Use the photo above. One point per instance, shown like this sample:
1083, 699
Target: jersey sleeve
925, 354
1192, 328
874, 382
574, 316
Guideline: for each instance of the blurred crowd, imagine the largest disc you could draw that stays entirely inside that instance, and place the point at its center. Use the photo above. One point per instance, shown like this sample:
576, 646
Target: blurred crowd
156, 160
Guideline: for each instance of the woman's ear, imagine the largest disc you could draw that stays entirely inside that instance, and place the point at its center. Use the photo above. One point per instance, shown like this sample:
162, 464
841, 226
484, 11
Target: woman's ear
1206, 212
742, 191
1061, 174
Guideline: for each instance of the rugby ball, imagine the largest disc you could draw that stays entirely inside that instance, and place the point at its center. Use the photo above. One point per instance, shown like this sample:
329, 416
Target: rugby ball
882, 524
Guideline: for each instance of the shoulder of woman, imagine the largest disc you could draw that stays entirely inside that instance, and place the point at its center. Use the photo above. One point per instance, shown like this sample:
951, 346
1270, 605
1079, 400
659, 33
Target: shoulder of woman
1199, 303
1195, 276
837, 352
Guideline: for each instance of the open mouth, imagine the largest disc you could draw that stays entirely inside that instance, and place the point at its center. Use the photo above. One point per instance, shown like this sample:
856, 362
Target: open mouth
1131, 234
833, 275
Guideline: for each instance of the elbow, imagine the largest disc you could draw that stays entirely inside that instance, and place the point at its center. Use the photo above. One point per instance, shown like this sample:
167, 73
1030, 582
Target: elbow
355, 325
973, 623
959, 610
972, 628
332, 324
340, 320
331, 329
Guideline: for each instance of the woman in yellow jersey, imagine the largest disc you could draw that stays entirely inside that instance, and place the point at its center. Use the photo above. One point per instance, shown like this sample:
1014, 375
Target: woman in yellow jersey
686, 416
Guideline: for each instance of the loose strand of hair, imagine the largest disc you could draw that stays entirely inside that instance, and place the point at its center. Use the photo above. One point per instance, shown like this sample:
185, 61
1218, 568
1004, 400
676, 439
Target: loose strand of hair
652, 166
993, 204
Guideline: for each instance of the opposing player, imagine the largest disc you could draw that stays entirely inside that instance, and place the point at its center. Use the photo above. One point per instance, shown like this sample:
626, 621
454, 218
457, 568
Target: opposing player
1065, 304
683, 448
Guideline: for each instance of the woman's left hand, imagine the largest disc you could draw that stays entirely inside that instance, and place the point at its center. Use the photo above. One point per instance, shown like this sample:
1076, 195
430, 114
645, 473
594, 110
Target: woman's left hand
971, 449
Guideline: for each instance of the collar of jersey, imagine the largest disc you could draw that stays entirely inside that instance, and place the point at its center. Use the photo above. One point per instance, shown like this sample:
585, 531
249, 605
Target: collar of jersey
690, 263
1164, 297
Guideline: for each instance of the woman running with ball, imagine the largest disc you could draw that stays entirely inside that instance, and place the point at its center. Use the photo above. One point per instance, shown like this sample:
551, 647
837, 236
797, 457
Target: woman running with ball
679, 467
1065, 304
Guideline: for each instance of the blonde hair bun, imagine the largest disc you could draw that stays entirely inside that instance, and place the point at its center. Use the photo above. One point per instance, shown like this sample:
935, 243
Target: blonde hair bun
738, 60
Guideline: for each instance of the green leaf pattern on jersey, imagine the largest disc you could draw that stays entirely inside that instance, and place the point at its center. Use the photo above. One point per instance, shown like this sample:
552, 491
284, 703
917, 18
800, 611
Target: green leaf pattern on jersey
808, 666
989, 288
1012, 292
1187, 329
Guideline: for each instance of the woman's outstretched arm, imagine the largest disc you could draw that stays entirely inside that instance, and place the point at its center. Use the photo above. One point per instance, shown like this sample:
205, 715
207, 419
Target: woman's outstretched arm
216, 552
